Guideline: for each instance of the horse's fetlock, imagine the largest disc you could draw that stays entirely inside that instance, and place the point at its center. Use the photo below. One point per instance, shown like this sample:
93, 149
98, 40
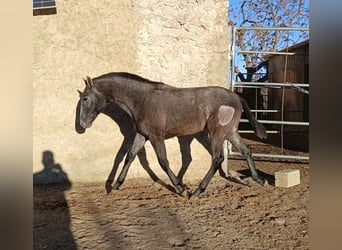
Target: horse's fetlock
198, 193
258, 179
180, 188
116, 186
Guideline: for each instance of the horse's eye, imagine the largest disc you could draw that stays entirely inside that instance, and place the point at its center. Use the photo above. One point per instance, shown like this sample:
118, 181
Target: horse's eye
84, 99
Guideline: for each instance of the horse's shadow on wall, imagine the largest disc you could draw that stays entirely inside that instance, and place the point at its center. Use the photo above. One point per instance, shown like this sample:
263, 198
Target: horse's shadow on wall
127, 129
51, 216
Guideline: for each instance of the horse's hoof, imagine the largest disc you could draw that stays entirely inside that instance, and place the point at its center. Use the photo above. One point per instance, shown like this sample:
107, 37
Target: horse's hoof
196, 195
113, 191
186, 194
109, 189
261, 181
115, 188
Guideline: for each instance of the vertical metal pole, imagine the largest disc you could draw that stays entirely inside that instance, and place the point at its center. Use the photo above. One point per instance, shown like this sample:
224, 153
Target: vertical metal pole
256, 103
226, 144
224, 164
232, 54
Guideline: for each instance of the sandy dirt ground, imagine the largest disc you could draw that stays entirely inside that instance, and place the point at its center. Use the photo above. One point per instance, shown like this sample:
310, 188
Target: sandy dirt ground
146, 215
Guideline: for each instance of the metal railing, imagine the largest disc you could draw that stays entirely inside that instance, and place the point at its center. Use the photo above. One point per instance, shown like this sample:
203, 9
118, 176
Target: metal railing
232, 84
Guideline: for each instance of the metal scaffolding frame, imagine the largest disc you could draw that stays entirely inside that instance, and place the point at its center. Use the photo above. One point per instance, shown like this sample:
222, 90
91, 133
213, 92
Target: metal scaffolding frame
228, 151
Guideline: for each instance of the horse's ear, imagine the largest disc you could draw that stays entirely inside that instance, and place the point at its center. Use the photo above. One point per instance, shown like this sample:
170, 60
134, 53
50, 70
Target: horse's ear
88, 81
85, 81
79, 92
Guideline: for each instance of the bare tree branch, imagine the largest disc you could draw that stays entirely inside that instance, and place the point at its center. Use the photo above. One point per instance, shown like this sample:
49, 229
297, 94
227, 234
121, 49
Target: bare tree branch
268, 13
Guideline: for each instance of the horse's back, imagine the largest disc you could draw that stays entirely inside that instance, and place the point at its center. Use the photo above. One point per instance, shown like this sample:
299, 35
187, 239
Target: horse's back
184, 111
210, 97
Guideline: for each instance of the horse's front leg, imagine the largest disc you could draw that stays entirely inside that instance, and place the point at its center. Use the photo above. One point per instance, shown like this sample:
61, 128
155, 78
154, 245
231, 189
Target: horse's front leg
184, 143
159, 147
137, 145
127, 143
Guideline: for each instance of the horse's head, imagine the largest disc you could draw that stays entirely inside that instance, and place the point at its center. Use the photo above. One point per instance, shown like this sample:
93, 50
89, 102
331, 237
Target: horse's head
92, 102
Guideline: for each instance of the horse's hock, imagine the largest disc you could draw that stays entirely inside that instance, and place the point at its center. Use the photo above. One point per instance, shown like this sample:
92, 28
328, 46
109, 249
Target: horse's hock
181, 43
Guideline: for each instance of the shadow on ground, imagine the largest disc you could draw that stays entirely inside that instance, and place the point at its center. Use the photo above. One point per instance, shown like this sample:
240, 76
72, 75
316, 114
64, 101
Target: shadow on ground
51, 216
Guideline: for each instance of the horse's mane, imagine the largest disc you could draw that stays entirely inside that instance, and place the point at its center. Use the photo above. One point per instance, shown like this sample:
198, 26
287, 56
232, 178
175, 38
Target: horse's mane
126, 75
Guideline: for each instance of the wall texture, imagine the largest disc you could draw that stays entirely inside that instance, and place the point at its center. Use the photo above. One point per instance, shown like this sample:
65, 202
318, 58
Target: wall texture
182, 43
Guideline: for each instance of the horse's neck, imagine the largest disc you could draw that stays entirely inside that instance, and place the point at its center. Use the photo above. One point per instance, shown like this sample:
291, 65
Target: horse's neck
122, 92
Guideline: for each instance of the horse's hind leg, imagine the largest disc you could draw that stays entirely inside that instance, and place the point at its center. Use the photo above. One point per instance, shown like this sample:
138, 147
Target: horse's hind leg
137, 145
217, 159
236, 140
159, 148
203, 138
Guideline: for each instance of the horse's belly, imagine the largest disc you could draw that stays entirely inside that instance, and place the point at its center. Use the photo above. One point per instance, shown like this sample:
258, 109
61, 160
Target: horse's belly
180, 128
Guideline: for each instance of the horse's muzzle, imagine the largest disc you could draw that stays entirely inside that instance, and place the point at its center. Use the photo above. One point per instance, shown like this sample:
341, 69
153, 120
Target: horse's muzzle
85, 125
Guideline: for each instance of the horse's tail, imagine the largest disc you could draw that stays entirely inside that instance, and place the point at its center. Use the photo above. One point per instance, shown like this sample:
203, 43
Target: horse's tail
259, 129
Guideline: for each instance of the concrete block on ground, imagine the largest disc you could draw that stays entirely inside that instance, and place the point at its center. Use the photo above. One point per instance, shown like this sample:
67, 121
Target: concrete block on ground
287, 178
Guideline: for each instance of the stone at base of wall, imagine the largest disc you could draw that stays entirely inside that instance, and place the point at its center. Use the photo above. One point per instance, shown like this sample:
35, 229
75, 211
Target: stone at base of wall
287, 178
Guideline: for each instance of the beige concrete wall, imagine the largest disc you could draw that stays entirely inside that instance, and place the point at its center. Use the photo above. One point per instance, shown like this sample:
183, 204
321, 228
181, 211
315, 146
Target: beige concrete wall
182, 43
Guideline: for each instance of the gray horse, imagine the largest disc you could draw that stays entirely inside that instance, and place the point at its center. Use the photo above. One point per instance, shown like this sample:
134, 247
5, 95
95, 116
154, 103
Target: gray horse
160, 113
